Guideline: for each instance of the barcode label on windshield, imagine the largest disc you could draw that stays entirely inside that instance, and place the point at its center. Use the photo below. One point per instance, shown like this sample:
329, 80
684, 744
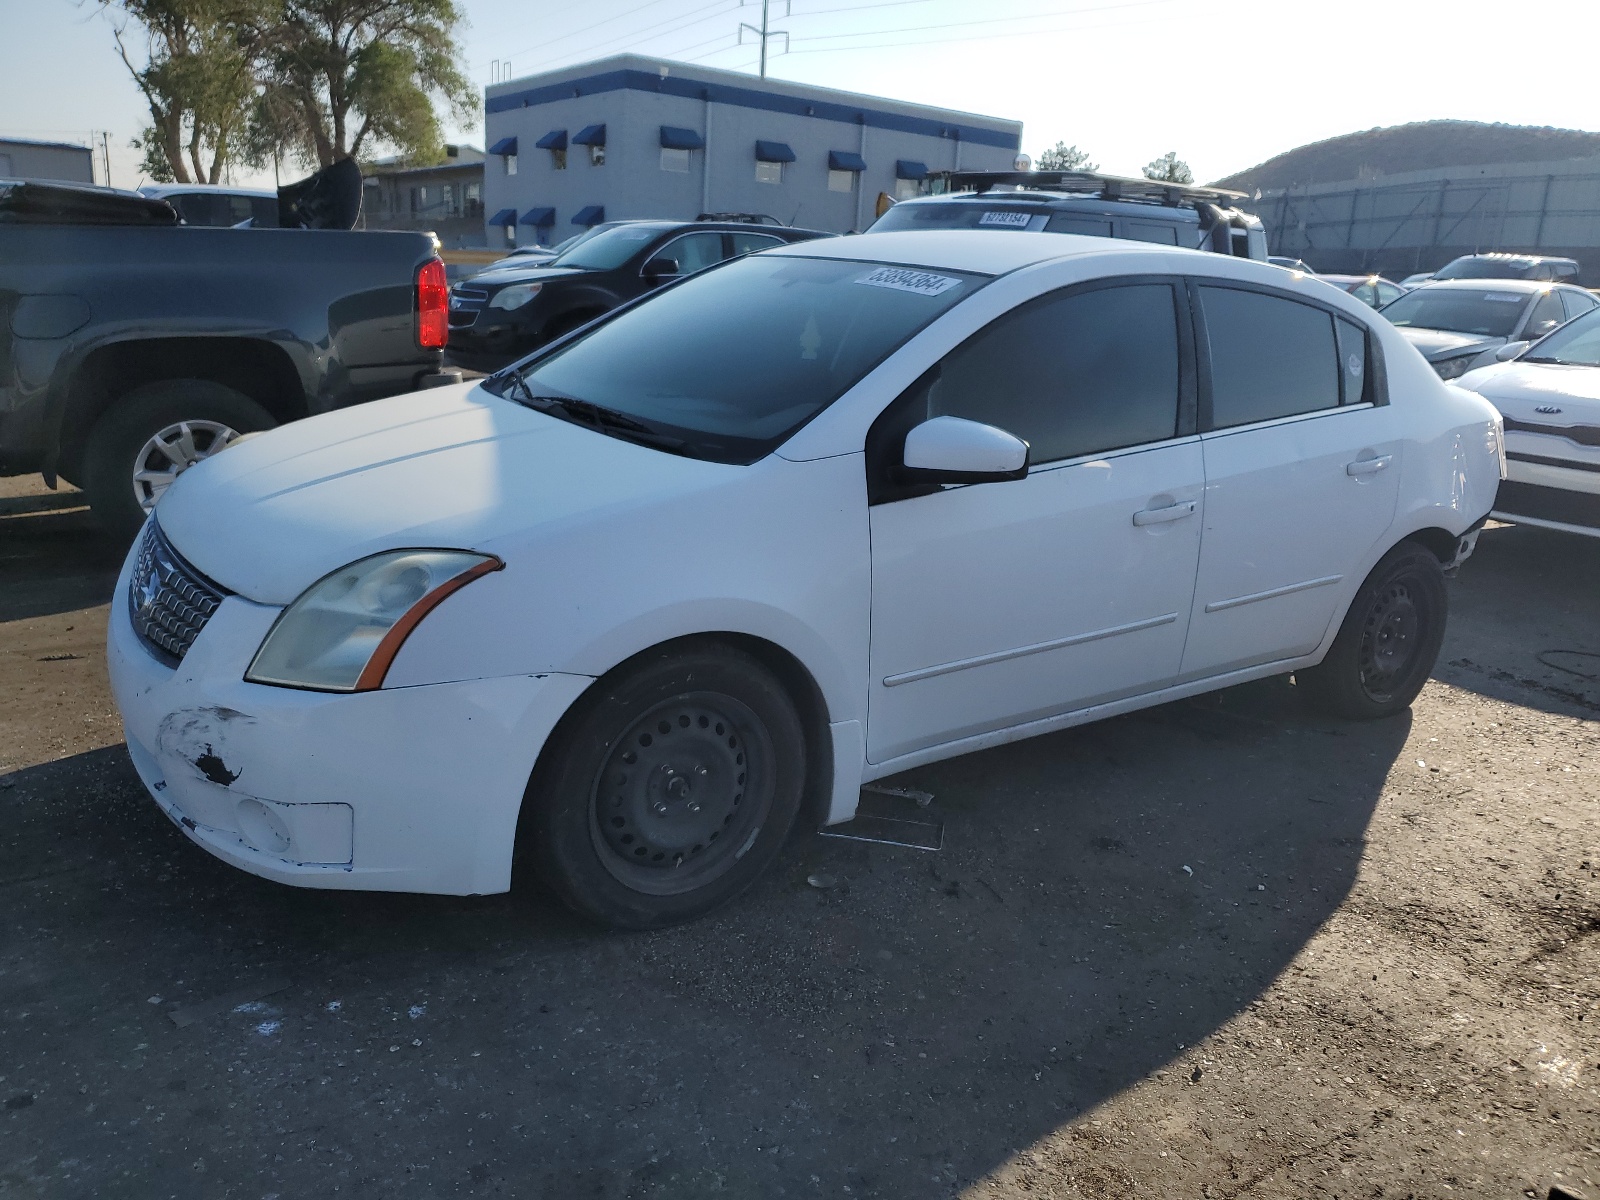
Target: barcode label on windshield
1503, 298
1011, 220
898, 279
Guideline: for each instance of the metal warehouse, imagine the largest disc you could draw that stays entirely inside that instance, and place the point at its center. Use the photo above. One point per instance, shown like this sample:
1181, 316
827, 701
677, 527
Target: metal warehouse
1419, 220
22, 158
631, 136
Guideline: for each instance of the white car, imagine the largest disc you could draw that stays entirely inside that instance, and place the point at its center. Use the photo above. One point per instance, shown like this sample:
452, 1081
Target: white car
1550, 400
798, 522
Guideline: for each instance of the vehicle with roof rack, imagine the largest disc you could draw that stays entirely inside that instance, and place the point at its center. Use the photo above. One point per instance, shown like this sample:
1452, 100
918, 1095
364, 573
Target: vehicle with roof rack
1084, 202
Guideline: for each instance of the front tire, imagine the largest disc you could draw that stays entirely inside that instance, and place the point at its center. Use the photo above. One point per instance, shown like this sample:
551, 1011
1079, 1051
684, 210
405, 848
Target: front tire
1389, 641
151, 435
669, 789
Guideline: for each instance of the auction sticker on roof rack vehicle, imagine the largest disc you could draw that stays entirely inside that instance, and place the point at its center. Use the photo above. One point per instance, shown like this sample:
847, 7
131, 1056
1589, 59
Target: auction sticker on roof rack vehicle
1008, 220
899, 279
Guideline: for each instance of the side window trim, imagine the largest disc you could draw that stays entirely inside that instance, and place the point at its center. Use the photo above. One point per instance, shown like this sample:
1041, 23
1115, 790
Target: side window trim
879, 452
1375, 394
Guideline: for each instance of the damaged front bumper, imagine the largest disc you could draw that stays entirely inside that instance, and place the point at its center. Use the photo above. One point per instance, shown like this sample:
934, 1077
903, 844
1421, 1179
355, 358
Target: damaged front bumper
412, 789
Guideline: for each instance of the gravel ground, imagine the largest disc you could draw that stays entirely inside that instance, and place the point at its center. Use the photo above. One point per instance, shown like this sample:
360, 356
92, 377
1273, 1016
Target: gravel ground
1223, 948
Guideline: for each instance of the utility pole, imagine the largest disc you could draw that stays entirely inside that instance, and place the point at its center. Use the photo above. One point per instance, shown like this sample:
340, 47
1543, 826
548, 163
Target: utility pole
105, 148
766, 31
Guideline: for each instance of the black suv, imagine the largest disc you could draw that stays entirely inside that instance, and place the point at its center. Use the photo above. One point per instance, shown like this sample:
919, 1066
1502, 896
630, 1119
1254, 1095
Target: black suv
1084, 202
499, 316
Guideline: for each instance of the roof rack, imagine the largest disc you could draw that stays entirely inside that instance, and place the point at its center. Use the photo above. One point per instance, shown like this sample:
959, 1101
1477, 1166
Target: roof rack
1107, 187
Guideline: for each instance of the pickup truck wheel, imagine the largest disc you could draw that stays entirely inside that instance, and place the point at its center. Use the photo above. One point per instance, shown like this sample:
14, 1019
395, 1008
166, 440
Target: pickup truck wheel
668, 789
151, 435
1390, 639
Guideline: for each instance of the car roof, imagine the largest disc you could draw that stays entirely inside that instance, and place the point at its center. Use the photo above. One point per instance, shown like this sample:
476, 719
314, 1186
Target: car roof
1511, 256
983, 251
162, 190
1352, 278
1487, 285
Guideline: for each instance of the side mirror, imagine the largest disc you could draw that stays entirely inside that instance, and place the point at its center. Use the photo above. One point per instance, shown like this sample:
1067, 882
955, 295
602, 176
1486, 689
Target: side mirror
956, 450
661, 268
1510, 350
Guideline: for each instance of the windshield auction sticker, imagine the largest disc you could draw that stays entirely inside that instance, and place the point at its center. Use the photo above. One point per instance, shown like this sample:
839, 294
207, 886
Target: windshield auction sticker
1503, 298
1009, 220
899, 279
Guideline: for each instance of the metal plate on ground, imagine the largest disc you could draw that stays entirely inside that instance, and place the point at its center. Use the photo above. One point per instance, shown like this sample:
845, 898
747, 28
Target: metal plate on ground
890, 831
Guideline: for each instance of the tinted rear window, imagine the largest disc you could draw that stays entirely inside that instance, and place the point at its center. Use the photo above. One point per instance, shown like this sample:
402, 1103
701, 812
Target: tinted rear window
1270, 357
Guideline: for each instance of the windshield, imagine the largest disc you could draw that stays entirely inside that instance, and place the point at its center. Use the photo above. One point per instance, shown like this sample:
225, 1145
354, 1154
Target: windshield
609, 248
1459, 310
1576, 343
1487, 268
733, 360
958, 215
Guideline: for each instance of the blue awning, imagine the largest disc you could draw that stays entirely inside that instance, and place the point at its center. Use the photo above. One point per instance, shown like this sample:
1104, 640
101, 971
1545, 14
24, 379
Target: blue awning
506, 216
504, 146
592, 215
556, 139
539, 217
591, 135
774, 152
904, 168
673, 138
843, 160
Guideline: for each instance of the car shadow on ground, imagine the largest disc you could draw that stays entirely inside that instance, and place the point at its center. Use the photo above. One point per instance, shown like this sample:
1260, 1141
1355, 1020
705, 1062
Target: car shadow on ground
53, 558
1105, 897
1527, 599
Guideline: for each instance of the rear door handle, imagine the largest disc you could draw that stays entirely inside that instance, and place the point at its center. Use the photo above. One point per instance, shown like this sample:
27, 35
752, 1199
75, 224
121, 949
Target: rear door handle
1156, 516
1368, 466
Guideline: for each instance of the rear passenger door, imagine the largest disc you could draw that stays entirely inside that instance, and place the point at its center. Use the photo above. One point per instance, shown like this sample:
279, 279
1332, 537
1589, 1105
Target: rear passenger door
1302, 464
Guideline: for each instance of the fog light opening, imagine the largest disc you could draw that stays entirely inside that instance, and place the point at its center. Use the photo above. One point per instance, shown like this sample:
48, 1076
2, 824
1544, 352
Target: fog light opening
263, 828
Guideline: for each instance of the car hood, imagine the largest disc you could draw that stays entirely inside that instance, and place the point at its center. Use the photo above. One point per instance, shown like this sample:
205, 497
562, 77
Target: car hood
1442, 343
501, 276
449, 468
1517, 387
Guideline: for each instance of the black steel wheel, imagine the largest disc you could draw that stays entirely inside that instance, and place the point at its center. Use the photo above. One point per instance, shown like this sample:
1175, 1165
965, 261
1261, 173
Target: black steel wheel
1389, 641
669, 788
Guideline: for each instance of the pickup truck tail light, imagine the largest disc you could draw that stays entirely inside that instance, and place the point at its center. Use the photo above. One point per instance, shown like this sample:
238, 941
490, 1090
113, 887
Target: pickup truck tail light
433, 306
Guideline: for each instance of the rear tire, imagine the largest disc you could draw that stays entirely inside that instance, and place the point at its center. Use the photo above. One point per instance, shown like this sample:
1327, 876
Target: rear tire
123, 461
1389, 641
670, 788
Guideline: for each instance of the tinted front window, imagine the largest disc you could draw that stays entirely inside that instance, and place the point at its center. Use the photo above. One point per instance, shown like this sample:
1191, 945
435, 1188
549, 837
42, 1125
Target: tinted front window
694, 252
1459, 310
1489, 268
1577, 343
1270, 357
1071, 375
750, 243
1547, 314
608, 250
736, 359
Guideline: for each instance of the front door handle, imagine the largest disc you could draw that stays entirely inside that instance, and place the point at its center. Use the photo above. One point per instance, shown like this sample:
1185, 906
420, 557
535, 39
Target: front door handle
1368, 466
1157, 516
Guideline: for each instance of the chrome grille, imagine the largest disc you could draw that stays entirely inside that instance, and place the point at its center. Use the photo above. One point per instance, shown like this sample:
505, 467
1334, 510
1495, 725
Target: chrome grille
466, 303
168, 600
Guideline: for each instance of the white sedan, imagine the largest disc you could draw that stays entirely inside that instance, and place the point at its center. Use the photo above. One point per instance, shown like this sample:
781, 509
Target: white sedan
628, 611
1549, 397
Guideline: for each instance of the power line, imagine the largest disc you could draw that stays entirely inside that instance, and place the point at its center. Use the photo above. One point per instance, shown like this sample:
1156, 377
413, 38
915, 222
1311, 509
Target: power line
831, 37
978, 37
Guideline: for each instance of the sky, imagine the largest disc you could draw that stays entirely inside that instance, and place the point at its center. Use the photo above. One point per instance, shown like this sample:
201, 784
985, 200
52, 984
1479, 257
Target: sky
1224, 85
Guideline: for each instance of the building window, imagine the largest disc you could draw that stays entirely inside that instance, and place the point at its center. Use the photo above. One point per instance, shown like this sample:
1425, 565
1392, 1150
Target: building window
511, 164
472, 202
674, 160
416, 199
449, 201
558, 159
907, 189
769, 172
597, 155
841, 181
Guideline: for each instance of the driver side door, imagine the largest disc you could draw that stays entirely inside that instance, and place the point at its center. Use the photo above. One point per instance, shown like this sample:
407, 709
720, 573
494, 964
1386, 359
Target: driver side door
998, 604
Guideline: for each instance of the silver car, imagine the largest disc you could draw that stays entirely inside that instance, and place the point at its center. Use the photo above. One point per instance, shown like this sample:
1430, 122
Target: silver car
1462, 323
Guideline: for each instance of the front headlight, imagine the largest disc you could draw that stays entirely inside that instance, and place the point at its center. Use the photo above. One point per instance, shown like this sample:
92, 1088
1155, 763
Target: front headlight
1453, 368
345, 629
515, 296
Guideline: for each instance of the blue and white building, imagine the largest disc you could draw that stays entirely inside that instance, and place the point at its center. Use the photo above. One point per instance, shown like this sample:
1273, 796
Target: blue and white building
635, 137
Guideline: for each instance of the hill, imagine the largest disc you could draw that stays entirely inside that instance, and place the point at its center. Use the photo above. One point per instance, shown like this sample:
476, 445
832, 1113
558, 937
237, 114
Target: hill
1421, 146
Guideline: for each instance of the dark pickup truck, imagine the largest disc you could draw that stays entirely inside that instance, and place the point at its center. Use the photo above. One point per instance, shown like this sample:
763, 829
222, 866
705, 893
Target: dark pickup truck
132, 346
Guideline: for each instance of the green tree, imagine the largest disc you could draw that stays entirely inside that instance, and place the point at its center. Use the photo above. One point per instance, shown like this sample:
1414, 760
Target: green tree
1062, 157
342, 77
1169, 168
197, 74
